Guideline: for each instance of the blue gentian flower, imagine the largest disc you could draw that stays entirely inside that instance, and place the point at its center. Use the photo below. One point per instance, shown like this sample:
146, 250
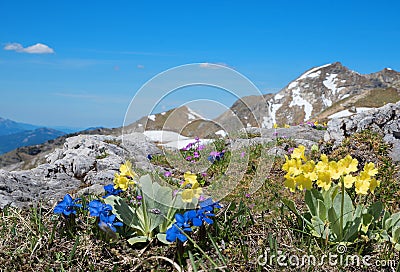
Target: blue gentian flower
97, 208
175, 232
205, 211
110, 190
108, 222
182, 224
67, 206
149, 157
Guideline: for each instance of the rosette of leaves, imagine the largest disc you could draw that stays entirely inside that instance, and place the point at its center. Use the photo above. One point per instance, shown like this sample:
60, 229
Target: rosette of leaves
155, 214
324, 210
389, 229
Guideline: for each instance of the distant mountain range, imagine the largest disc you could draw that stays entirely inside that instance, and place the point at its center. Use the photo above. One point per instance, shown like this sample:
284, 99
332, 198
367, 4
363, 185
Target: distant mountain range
14, 134
27, 138
8, 127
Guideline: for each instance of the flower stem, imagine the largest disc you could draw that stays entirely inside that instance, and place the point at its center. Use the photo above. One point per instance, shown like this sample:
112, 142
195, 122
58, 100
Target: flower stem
341, 209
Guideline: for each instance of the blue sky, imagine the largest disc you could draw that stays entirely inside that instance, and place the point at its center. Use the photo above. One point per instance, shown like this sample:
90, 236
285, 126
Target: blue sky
93, 56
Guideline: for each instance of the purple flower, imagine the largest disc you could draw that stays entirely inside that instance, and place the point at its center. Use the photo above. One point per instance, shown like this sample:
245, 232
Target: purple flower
188, 158
167, 174
243, 154
139, 197
247, 195
197, 139
204, 174
290, 150
196, 154
200, 147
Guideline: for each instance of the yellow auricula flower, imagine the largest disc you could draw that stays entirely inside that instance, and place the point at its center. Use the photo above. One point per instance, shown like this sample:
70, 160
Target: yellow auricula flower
290, 183
348, 181
275, 125
323, 164
349, 164
362, 183
286, 126
298, 153
303, 182
126, 170
189, 194
189, 179
308, 170
334, 170
324, 180
373, 184
121, 182
370, 169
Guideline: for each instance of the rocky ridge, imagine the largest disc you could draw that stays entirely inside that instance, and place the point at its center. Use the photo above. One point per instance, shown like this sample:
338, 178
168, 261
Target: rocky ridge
384, 120
85, 164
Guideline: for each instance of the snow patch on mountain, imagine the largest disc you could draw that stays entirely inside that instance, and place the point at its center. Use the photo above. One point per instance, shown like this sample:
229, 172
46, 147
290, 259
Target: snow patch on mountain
162, 136
346, 113
327, 102
152, 117
299, 101
221, 132
278, 96
310, 73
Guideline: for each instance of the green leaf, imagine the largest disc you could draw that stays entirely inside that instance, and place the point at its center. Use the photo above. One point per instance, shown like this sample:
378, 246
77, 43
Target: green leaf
292, 207
395, 219
376, 210
322, 212
311, 202
348, 208
351, 233
396, 234
319, 228
334, 221
385, 217
162, 237
137, 239
366, 221
124, 212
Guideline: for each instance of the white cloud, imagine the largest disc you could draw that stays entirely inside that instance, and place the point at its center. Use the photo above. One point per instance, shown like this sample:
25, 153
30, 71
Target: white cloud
38, 48
140, 66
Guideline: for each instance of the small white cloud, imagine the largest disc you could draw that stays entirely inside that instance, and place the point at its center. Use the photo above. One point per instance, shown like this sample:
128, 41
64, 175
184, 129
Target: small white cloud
13, 47
38, 48
140, 66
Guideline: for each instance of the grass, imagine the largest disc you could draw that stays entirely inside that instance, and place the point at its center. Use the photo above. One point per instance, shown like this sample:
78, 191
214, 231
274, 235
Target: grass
249, 230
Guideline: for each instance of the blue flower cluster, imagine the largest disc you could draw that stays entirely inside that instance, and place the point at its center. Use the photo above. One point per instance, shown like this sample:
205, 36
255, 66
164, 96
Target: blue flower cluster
67, 206
103, 212
216, 156
192, 218
111, 191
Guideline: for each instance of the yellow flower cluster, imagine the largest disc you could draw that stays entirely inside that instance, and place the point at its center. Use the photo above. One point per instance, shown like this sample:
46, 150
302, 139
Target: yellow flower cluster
301, 173
125, 177
194, 190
